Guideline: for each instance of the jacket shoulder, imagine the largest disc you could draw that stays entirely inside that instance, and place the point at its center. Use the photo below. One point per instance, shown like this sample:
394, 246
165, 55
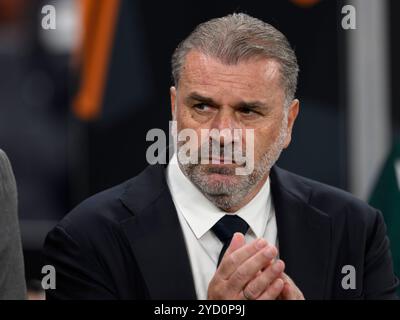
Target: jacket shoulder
98, 212
328, 199
107, 209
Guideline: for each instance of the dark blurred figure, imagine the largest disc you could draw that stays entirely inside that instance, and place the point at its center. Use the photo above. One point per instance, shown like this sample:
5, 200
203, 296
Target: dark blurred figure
12, 281
33, 95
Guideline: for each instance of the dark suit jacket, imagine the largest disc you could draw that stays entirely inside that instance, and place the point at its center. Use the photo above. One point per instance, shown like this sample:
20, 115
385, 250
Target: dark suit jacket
127, 243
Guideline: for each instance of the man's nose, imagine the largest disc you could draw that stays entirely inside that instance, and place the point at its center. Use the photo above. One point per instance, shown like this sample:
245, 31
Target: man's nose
223, 126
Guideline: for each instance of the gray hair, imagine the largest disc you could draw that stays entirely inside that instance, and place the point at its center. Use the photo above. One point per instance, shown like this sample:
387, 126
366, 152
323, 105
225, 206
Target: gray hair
239, 37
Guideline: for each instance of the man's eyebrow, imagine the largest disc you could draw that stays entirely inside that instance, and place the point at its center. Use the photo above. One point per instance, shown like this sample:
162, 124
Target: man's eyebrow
198, 97
254, 105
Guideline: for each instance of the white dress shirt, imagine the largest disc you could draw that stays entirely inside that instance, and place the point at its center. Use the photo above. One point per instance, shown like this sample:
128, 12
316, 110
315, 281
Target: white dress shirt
197, 215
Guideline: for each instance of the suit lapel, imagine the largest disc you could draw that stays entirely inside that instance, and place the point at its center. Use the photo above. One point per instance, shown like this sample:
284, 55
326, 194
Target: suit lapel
156, 238
157, 241
304, 234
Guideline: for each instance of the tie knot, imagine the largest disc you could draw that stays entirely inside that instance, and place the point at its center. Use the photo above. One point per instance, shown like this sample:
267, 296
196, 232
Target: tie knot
226, 227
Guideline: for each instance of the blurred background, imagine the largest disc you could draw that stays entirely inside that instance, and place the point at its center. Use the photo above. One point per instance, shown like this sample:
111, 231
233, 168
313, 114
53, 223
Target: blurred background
77, 101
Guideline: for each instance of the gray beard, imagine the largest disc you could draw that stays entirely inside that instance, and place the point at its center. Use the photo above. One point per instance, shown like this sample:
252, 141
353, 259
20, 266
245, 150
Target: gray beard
227, 196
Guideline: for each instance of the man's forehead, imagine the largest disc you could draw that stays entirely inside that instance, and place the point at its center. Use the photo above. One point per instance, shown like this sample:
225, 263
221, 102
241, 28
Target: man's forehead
253, 80
199, 67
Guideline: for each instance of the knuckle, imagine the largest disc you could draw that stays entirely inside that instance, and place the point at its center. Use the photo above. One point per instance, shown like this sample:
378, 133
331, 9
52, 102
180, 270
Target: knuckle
216, 291
260, 284
252, 291
240, 275
267, 276
232, 259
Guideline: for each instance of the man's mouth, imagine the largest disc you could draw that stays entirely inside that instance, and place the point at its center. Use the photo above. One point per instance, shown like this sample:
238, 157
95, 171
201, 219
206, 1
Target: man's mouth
221, 169
221, 160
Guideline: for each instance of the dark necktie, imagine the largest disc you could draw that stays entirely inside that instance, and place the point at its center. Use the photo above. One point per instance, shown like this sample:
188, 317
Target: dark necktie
225, 228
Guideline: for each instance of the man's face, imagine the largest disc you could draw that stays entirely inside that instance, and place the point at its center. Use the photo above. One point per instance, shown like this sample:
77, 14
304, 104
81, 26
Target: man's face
248, 95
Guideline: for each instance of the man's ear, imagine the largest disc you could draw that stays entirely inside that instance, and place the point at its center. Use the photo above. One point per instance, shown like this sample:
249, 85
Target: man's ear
172, 92
292, 115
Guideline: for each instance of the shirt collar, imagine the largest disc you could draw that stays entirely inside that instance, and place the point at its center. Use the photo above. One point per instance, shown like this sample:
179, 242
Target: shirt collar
201, 214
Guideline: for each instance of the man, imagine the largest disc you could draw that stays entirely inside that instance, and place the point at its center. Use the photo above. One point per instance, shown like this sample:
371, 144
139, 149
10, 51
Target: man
200, 230
12, 278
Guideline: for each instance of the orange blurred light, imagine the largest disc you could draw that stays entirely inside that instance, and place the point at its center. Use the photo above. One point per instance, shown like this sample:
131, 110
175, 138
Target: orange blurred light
305, 3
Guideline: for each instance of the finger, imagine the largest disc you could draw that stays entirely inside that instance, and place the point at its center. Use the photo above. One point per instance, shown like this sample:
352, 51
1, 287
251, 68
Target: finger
290, 293
273, 291
286, 292
290, 290
259, 284
287, 279
237, 242
234, 258
249, 269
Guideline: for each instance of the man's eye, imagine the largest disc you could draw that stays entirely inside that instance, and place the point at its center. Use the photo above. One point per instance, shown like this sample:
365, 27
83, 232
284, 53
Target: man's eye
247, 111
201, 107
